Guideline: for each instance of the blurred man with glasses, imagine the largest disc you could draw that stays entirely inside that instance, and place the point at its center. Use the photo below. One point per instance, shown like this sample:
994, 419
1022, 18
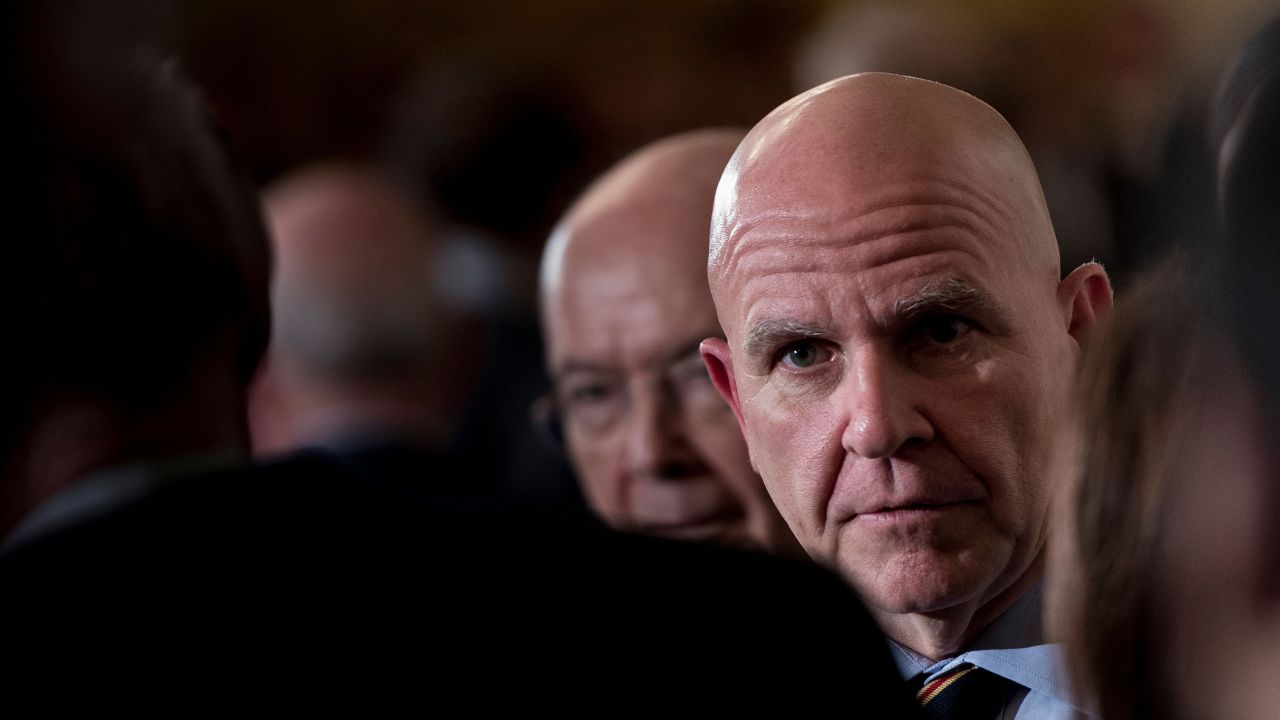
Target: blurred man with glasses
625, 303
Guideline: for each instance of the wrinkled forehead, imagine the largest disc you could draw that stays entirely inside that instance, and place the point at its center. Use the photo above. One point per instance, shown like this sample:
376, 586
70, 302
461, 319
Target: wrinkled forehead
627, 274
654, 239
640, 268
825, 276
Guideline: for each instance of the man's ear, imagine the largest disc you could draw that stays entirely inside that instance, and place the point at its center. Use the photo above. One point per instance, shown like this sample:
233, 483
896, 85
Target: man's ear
1085, 298
715, 355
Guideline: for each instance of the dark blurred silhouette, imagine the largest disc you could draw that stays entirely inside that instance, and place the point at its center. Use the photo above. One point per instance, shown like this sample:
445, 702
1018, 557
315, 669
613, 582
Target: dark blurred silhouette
1155, 367
136, 280
495, 154
382, 337
1244, 281
1164, 581
1158, 580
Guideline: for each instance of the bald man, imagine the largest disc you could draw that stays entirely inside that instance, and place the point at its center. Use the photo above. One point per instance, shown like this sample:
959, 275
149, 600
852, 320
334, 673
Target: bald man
899, 347
625, 303
356, 352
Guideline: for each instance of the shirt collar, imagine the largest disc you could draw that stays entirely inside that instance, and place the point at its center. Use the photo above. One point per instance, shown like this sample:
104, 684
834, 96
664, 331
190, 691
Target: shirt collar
1012, 647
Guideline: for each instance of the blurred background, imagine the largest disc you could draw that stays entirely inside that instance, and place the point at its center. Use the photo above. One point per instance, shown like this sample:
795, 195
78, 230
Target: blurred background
498, 113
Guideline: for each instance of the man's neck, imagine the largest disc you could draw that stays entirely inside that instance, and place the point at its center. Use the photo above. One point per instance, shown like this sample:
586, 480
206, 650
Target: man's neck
945, 633
318, 412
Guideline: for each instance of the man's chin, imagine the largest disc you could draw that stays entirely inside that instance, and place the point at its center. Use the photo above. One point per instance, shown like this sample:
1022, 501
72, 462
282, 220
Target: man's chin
914, 592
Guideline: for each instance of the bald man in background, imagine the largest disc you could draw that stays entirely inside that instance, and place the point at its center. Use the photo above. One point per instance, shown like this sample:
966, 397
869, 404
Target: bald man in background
357, 352
625, 303
900, 344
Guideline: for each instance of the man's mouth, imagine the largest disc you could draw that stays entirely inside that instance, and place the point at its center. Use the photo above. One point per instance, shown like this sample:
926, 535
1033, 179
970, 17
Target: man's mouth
913, 512
703, 527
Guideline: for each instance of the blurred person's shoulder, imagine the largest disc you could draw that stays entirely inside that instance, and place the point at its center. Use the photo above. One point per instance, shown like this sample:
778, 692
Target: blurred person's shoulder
309, 561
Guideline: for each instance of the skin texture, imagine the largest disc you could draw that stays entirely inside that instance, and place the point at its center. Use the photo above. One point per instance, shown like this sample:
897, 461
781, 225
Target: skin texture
625, 304
899, 344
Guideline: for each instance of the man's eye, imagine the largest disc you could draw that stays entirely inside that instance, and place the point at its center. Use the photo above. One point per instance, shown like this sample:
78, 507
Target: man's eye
803, 354
587, 394
592, 406
944, 330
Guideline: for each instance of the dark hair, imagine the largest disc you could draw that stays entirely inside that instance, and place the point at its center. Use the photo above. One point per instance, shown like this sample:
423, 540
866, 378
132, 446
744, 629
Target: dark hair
1135, 382
134, 248
1243, 276
1169, 347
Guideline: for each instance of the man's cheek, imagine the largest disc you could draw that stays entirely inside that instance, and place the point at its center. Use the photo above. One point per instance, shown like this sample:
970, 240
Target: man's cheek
763, 443
770, 433
789, 449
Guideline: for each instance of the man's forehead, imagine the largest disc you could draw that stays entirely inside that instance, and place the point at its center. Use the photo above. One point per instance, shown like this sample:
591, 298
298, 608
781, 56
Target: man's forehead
898, 240
851, 213
878, 299
844, 206
879, 238
631, 275
653, 224
633, 305
824, 292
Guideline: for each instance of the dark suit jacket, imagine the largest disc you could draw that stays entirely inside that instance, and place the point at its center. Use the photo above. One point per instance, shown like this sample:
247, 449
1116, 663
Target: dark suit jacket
323, 562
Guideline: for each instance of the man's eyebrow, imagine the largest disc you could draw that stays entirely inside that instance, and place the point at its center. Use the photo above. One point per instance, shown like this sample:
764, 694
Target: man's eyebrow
573, 367
769, 333
950, 295
687, 350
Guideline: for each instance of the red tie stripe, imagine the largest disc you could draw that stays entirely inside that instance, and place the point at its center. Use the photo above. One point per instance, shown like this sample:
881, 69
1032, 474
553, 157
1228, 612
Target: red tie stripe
932, 689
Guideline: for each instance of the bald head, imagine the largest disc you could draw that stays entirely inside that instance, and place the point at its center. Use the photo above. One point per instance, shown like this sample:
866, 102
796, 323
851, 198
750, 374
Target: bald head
861, 142
358, 325
354, 287
654, 206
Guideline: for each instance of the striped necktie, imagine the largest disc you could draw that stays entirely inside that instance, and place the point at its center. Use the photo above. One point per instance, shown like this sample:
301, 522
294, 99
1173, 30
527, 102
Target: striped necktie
966, 692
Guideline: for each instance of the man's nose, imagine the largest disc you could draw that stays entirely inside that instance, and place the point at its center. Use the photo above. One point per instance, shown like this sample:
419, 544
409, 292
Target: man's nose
655, 443
881, 398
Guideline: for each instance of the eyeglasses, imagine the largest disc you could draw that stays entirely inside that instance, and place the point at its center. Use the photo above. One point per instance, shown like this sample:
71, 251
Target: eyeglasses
595, 404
